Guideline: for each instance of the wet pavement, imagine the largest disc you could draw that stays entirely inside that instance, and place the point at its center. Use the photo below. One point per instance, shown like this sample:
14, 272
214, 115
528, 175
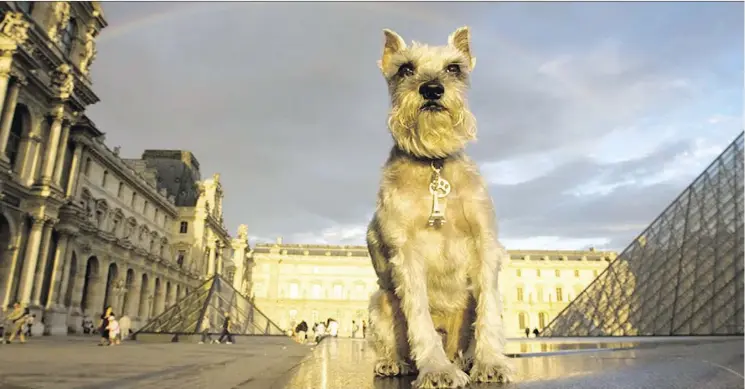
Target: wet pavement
629, 363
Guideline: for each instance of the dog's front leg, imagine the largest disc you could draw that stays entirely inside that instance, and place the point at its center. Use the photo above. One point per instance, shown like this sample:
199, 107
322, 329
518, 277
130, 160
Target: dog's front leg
486, 351
435, 369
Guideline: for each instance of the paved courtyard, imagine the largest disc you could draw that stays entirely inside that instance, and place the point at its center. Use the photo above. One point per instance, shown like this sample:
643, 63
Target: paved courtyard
48, 362
671, 363
279, 363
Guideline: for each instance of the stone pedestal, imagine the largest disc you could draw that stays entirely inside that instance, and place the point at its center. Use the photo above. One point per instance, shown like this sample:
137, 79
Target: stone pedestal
75, 322
37, 329
55, 320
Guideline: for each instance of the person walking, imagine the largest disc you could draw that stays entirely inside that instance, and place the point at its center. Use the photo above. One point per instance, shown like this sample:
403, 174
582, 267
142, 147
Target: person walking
355, 328
17, 320
364, 329
536, 332
527, 332
103, 326
226, 328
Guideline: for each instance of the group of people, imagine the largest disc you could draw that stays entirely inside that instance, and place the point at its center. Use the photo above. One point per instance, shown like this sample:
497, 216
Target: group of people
226, 335
109, 328
16, 323
302, 332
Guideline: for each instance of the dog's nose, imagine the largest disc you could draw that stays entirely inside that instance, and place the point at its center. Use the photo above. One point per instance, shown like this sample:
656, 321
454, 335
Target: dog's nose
432, 90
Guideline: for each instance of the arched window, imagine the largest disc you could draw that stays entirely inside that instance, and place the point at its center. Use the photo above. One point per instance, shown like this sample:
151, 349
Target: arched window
120, 191
134, 199
104, 179
542, 320
520, 294
87, 168
68, 36
522, 320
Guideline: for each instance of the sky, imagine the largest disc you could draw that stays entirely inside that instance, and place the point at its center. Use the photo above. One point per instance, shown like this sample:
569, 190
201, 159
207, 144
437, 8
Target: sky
592, 116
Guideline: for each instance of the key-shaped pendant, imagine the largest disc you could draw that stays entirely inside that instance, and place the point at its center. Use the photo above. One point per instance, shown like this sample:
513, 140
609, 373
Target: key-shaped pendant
439, 188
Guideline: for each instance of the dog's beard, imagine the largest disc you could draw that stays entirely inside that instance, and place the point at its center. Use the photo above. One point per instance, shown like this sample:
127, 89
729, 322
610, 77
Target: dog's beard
431, 133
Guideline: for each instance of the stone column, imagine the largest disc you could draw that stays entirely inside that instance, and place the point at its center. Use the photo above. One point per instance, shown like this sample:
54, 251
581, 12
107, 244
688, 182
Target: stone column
65, 279
50, 155
29, 263
133, 299
211, 261
160, 299
6, 120
220, 259
74, 170
41, 266
76, 300
61, 151
58, 272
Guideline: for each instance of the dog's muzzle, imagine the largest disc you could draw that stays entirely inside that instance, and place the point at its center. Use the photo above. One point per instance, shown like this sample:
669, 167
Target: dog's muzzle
432, 106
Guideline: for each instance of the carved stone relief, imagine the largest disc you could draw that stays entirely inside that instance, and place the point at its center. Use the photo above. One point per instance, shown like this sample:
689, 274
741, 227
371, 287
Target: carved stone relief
15, 27
89, 50
60, 18
63, 81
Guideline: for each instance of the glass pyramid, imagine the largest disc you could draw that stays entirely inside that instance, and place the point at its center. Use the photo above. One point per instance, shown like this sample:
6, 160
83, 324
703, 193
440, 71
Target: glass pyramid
203, 310
682, 276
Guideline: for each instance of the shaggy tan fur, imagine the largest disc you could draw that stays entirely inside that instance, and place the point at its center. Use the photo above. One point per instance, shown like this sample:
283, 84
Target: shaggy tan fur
438, 310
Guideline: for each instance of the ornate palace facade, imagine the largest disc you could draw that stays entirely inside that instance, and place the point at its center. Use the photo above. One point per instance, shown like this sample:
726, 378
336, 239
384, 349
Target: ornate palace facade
80, 227
295, 282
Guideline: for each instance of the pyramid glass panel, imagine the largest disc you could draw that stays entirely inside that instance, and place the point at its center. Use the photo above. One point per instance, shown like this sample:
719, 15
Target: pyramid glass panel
682, 276
203, 310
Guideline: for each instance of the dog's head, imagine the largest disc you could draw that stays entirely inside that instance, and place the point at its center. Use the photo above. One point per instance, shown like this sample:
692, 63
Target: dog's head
429, 115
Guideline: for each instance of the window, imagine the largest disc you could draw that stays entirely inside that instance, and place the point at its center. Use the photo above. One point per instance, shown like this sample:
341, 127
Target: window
105, 178
180, 258
26, 6
87, 168
519, 273
145, 208
520, 296
120, 190
542, 320
134, 199
316, 291
68, 36
14, 139
184, 227
538, 272
522, 320
338, 292
294, 290
559, 295
155, 218
539, 294
557, 273
576, 273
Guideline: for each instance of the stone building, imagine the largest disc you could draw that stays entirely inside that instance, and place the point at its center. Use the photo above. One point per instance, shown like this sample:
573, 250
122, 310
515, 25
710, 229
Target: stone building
295, 282
80, 227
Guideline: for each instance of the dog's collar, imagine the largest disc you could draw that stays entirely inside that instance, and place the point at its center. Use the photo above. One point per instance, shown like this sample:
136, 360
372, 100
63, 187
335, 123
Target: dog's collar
436, 163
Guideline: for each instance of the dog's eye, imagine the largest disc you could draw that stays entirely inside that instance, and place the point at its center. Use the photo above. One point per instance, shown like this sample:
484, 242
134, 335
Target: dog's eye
453, 68
406, 69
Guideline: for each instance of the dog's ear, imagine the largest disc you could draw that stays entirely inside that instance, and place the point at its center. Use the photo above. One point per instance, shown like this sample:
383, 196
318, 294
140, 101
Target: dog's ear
461, 40
393, 44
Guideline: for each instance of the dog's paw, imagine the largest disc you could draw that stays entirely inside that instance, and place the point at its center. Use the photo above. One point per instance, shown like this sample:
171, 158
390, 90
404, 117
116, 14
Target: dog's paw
388, 368
500, 371
448, 376
464, 362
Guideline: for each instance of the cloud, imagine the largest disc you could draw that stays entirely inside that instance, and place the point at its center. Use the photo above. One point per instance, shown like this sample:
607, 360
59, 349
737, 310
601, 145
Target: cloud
286, 102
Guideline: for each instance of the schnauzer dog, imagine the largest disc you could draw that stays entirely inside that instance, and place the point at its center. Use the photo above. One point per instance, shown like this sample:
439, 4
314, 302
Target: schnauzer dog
433, 238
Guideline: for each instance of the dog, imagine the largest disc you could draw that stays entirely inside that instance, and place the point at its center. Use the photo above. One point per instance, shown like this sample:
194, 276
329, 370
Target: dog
433, 237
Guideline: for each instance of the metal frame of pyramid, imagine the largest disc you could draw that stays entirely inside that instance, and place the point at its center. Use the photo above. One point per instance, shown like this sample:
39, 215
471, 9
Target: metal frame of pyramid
203, 310
682, 276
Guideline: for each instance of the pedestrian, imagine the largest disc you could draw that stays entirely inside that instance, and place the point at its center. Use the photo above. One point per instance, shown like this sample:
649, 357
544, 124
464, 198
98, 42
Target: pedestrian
103, 326
300, 331
536, 332
17, 320
364, 329
29, 323
527, 332
113, 328
355, 328
226, 328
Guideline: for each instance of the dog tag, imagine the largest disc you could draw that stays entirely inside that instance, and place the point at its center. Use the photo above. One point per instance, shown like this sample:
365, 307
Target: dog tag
439, 188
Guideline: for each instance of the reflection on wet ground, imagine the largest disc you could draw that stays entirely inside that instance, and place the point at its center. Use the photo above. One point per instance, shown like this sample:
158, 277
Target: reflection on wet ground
666, 363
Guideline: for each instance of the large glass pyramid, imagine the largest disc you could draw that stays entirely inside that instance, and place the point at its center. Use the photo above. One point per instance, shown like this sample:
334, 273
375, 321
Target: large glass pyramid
682, 276
203, 310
